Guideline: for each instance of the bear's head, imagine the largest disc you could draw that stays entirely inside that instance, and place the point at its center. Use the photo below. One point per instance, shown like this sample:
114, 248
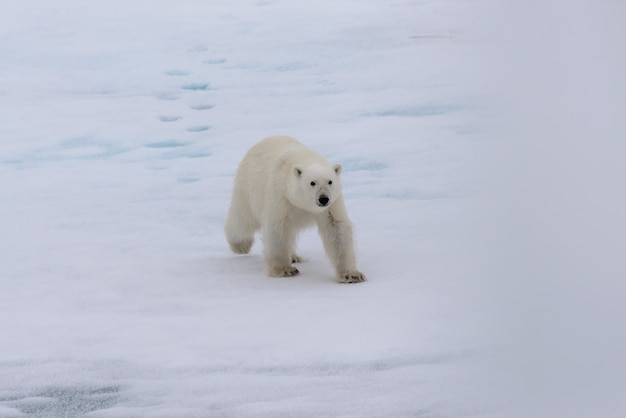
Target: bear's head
314, 188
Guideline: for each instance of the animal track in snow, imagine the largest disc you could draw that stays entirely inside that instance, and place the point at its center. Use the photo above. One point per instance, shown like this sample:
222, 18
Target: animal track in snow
194, 93
177, 73
186, 153
199, 128
196, 86
166, 144
202, 106
214, 61
169, 118
168, 96
418, 110
199, 48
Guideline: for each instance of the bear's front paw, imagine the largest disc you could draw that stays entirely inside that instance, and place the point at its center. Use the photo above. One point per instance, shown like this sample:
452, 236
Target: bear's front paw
295, 258
287, 271
352, 277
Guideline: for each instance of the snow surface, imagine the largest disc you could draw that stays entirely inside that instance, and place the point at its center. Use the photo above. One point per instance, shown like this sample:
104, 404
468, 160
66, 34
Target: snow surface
122, 124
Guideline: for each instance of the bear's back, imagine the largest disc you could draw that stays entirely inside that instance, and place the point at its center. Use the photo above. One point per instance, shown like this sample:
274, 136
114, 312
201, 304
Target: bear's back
280, 152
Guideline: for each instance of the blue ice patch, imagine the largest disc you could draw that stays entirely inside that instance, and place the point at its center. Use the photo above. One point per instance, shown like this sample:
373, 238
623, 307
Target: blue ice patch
79, 148
87, 148
357, 164
60, 401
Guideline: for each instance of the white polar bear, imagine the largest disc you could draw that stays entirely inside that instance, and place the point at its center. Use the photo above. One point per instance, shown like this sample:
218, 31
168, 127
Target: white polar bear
282, 187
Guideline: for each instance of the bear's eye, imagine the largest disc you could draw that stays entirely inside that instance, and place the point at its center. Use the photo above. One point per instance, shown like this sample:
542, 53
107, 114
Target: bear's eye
313, 183
330, 182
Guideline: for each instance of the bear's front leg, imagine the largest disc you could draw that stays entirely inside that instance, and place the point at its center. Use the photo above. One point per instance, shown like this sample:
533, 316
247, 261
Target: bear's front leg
280, 270
277, 246
335, 229
352, 277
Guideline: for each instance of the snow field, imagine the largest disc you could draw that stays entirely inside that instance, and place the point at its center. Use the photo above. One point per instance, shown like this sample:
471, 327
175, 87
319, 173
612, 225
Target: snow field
122, 128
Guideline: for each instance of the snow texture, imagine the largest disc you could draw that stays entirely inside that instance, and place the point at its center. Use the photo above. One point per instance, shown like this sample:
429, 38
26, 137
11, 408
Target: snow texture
122, 125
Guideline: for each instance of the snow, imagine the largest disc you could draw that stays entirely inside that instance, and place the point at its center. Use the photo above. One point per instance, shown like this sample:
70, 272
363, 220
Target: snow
123, 123
122, 126
562, 273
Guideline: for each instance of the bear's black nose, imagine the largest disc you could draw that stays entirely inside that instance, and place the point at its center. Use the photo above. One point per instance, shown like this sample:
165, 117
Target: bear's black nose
323, 200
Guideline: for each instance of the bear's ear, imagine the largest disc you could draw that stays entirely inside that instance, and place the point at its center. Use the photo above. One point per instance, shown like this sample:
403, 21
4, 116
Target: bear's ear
337, 168
297, 171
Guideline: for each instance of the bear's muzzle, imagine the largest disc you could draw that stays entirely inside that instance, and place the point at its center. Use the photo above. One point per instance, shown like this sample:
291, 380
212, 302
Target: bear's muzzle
323, 201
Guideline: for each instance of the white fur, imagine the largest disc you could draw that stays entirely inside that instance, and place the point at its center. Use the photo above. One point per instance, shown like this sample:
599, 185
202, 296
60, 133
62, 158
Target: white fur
282, 187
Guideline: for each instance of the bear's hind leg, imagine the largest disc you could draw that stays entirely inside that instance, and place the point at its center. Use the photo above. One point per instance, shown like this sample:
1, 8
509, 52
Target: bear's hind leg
277, 248
241, 246
240, 228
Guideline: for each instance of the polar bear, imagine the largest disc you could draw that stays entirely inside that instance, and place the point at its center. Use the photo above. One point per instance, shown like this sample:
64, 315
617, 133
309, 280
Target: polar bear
280, 188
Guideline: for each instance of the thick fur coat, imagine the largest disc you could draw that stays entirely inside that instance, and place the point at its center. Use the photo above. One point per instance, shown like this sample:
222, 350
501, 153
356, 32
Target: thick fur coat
280, 188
